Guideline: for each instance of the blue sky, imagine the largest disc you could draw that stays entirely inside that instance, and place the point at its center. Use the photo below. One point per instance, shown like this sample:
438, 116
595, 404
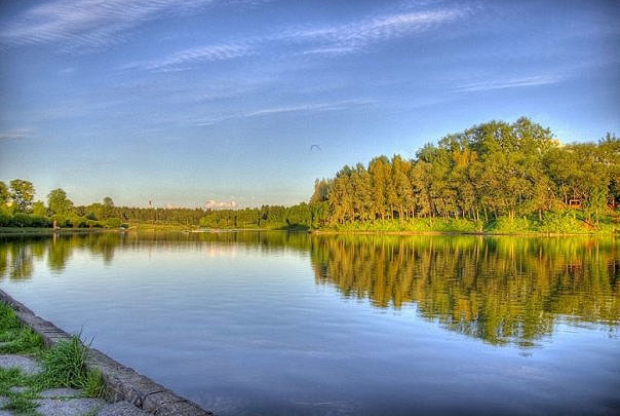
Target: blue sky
184, 102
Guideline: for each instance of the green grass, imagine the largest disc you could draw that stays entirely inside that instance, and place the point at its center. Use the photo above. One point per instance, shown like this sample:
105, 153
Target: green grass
64, 365
561, 222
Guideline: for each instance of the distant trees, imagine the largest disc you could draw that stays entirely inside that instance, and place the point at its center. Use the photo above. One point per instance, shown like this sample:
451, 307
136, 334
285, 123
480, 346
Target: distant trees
267, 216
493, 173
488, 171
5, 195
58, 202
22, 194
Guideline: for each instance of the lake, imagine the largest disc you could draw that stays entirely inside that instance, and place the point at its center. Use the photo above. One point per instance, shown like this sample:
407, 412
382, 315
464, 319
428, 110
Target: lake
276, 323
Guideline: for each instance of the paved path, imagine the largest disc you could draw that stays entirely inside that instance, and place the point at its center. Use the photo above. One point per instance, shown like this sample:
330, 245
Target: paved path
62, 401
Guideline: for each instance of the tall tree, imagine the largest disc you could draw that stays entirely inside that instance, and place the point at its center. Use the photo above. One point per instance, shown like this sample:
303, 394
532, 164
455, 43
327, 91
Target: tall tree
22, 194
58, 202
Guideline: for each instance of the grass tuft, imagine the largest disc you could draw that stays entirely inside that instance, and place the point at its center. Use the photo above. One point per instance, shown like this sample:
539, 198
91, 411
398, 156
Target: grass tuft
65, 364
95, 385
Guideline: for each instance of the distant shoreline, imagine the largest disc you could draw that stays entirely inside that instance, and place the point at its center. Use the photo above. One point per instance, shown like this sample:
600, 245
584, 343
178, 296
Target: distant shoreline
52, 231
454, 233
13, 231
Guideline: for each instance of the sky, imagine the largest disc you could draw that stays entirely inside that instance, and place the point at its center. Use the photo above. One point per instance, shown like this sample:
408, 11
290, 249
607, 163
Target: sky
219, 103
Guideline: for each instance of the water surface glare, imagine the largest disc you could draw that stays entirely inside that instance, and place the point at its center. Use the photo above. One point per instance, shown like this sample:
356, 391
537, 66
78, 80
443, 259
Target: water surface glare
275, 323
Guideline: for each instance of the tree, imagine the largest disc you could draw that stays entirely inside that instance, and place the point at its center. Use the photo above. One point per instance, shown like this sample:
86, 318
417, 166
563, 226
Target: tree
107, 210
58, 202
38, 209
22, 194
5, 195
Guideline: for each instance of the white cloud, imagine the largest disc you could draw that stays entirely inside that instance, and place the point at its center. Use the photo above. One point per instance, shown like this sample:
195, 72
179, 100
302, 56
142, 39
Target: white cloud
529, 81
213, 204
312, 107
269, 111
15, 134
88, 23
178, 61
345, 38
331, 40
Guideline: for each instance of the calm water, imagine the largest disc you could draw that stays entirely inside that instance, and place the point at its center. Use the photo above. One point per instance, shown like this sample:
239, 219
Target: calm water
292, 324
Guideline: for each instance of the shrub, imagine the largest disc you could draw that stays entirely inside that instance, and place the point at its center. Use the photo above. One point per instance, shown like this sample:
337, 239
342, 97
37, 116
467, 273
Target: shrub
21, 220
561, 222
5, 220
506, 225
113, 223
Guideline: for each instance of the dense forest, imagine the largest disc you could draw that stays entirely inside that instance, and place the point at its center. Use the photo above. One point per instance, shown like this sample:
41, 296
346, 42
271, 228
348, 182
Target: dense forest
495, 176
485, 173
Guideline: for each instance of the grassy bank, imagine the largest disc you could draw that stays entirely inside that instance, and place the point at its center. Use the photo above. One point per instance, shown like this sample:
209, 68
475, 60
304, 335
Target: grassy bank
552, 223
64, 365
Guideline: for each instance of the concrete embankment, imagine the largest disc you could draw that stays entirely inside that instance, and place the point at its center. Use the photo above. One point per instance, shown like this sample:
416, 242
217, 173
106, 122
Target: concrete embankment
123, 383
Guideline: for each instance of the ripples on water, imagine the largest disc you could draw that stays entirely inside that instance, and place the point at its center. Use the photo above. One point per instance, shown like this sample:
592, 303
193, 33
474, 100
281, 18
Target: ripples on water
285, 323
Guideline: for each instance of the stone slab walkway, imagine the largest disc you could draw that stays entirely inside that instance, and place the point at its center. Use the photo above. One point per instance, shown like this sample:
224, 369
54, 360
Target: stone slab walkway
62, 401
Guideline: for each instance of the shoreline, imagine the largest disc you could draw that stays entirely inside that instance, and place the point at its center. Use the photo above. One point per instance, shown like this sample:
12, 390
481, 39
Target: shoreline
123, 382
325, 231
456, 233
4, 231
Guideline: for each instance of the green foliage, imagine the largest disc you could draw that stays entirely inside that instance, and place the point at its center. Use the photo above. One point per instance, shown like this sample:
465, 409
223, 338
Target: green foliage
38, 209
5, 194
508, 225
95, 385
562, 222
25, 220
113, 223
22, 193
496, 176
5, 220
65, 364
58, 202
506, 176
300, 216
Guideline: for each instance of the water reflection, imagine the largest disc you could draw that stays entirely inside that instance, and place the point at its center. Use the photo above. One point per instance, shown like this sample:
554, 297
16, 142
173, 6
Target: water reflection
498, 289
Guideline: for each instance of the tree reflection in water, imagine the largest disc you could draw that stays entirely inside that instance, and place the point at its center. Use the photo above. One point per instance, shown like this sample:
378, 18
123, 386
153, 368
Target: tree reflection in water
498, 289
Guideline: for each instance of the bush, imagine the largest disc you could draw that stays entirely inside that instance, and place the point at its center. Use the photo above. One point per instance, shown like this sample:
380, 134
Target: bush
561, 222
506, 225
113, 223
40, 221
5, 220
93, 224
21, 220
61, 221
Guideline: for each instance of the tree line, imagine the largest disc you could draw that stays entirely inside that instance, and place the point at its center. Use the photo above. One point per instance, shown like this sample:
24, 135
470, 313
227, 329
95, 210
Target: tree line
490, 171
19, 209
494, 176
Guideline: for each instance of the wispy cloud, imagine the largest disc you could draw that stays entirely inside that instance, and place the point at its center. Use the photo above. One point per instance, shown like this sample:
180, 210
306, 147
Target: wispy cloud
530, 81
180, 60
340, 105
344, 38
325, 40
316, 107
15, 134
88, 23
